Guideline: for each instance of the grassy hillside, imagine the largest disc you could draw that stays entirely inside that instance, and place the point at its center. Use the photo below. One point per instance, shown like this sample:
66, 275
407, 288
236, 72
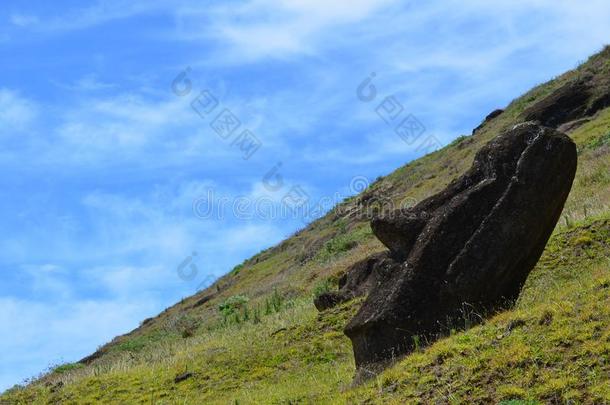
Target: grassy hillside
254, 336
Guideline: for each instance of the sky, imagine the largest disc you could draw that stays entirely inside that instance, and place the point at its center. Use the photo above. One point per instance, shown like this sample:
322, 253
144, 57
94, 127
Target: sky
148, 147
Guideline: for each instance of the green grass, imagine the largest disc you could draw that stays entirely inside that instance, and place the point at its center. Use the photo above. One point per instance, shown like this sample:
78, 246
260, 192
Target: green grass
560, 351
344, 242
64, 368
322, 287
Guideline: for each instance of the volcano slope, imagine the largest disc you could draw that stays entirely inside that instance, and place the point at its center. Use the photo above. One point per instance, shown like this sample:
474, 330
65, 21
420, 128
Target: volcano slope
270, 344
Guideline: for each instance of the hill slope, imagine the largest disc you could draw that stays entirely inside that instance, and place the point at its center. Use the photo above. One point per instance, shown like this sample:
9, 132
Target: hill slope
269, 345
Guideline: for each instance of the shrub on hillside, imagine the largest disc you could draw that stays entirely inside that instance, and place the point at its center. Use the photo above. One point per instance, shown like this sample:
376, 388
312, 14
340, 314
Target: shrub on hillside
232, 305
64, 368
322, 287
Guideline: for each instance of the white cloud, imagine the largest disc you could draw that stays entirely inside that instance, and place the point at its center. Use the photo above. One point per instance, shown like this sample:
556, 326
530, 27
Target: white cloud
22, 20
260, 29
79, 18
48, 280
16, 112
266, 28
129, 281
136, 126
161, 229
88, 83
131, 225
50, 332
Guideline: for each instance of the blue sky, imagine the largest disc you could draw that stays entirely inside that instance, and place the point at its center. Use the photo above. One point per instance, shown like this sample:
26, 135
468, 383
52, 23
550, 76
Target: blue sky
103, 162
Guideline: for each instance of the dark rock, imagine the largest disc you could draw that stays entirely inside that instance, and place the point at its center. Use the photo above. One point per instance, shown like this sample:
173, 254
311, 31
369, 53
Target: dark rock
572, 125
494, 114
57, 387
514, 324
183, 377
598, 103
570, 102
357, 281
329, 299
204, 300
471, 245
546, 319
280, 330
147, 321
564, 104
489, 117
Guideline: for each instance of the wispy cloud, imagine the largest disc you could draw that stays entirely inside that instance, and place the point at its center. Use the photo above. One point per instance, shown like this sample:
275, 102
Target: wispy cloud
137, 125
22, 20
257, 29
69, 333
78, 18
48, 279
88, 83
16, 112
124, 272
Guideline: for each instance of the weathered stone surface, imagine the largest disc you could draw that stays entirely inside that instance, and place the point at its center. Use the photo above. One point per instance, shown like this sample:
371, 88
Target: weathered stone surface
472, 244
357, 281
490, 116
567, 103
573, 101
329, 299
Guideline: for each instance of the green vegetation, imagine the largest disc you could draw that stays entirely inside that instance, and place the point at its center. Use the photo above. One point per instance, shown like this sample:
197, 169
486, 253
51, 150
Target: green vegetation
458, 140
64, 368
322, 287
233, 305
519, 402
344, 242
600, 141
237, 268
184, 325
236, 309
553, 347
138, 343
255, 337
